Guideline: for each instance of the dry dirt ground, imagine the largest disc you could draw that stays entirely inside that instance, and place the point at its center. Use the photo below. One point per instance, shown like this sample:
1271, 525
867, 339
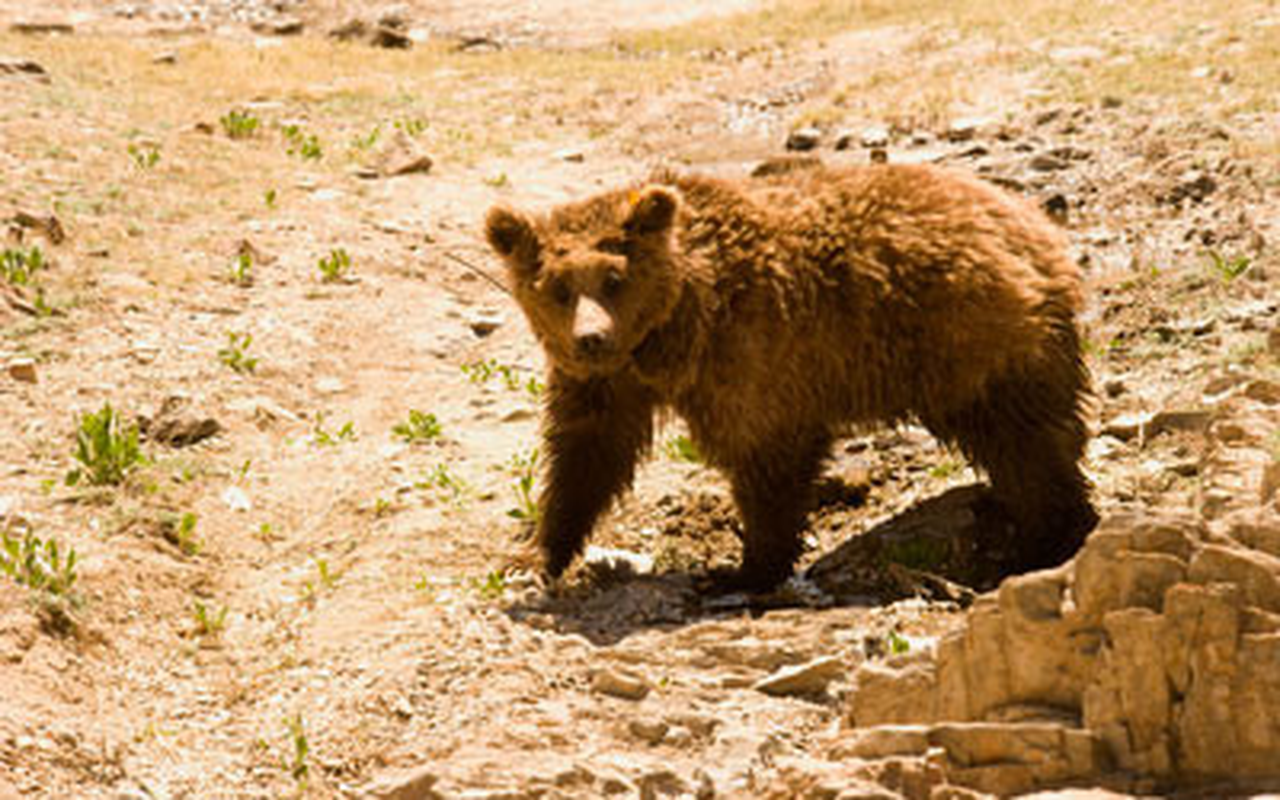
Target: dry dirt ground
306, 604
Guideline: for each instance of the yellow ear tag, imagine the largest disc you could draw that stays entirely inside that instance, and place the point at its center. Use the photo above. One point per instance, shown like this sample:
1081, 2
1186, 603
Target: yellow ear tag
633, 198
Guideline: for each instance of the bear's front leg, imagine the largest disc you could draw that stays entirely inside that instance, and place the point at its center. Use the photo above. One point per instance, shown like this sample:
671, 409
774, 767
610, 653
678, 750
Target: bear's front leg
773, 488
594, 432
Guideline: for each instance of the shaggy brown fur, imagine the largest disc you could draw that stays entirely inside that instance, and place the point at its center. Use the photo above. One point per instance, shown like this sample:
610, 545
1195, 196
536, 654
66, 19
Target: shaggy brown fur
775, 314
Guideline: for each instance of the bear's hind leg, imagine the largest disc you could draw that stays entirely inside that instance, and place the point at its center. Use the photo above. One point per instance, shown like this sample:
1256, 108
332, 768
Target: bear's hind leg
773, 489
1027, 434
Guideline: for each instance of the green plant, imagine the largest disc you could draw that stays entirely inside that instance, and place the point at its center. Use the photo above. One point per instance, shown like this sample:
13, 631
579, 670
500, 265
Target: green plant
323, 438
241, 270
239, 123
525, 469
180, 529
493, 586
334, 267
412, 126
441, 478
897, 644
269, 197
296, 764
144, 155
366, 142
106, 448
325, 579
420, 427
498, 181
235, 354
484, 371
945, 469
1228, 268
19, 266
301, 144
682, 448
41, 566
209, 624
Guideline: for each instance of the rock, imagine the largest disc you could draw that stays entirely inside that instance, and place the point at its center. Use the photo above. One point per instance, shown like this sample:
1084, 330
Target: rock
236, 499
802, 140
177, 423
887, 694
278, 26
634, 563
810, 678
876, 136
784, 165
42, 28
650, 732
965, 129
23, 369
661, 783
1076, 55
1046, 162
409, 784
620, 683
1273, 342
884, 741
570, 155
391, 38
1057, 208
49, 226
168, 57
23, 67
1263, 391
483, 323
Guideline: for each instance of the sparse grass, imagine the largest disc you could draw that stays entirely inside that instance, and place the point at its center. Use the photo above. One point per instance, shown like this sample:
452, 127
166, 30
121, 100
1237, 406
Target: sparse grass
441, 477
420, 427
1228, 268
305, 146
235, 354
180, 530
492, 587
106, 447
240, 272
947, 468
525, 469
326, 579
681, 448
335, 267
897, 644
296, 763
18, 266
321, 437
145, 156
239, 123
43, 567
209, 624
481, 372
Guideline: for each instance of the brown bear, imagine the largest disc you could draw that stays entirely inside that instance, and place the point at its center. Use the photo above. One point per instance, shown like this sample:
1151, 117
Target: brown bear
775, 314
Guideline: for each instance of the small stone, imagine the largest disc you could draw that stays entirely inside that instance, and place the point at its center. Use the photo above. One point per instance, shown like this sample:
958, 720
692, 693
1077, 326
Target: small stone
1046, 162
279, 26
1115, 387
484, 323
23, 66
803, 139
570, 155
620, 683
966, 128
1111, 102
167, 57
650, 732
23, 369
42, 28
879, 156
1076, 55
391, 38
636, 563
412, 784
1263, 391
330, 386
235, 499
875, 136
1057, 207
803, 679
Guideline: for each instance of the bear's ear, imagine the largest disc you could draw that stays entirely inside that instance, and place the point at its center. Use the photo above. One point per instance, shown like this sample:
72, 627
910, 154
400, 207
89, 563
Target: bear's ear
509, 232
653, 211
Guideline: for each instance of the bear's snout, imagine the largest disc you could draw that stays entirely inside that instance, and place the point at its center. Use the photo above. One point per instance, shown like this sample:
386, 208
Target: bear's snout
592, 328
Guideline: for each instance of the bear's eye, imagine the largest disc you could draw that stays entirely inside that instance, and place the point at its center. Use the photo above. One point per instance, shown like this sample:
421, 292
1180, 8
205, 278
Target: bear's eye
612, 283
561, 295
614, 245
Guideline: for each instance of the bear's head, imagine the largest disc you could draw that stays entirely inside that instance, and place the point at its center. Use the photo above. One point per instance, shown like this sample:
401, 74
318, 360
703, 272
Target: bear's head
595, 278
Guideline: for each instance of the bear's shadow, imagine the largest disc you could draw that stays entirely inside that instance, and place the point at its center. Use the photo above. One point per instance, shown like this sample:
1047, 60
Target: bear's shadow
944, 548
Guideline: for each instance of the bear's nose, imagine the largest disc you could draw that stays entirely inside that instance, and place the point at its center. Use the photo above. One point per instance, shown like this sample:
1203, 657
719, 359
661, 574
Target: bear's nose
592, 326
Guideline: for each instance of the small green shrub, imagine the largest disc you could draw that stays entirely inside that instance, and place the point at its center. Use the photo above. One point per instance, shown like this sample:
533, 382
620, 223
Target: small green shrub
19, 266
235, 355
239, 123
145, 156
296, 764
301, 144
493, 586
335, 266
321, 437
1228, 268
240, 272
41, 566
180, 530
420, 427
209, 624
682, 448
106, 448
525, 469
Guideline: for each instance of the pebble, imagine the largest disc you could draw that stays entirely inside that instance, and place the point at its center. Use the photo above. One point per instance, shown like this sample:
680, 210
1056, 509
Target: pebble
1046, 162
803, 679
875, 137
966, 128
620, 683
570, 155
804, 139
650, 732
23, 369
